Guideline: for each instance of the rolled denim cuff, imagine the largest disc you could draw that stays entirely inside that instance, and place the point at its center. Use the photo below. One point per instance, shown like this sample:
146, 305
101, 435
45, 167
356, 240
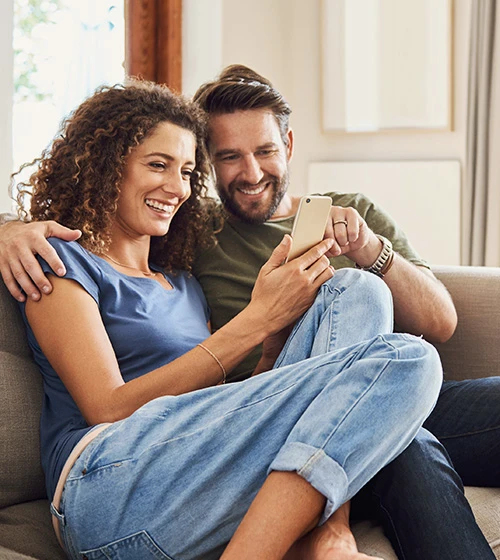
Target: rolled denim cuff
321, 471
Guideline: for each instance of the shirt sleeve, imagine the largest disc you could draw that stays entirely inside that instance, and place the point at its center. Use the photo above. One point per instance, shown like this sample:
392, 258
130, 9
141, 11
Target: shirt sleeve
80, 266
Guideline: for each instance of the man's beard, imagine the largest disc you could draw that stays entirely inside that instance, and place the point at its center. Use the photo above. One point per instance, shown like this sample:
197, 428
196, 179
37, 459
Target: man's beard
256, 214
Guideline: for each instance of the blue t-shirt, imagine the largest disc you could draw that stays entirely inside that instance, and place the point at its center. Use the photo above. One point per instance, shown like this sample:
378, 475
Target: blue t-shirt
148, 326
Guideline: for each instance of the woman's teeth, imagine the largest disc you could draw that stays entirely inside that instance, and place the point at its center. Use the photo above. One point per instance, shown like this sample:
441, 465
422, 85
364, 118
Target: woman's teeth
160, 206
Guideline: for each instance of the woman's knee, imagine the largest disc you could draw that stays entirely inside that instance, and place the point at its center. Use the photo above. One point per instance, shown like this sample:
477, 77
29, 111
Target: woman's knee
419, 368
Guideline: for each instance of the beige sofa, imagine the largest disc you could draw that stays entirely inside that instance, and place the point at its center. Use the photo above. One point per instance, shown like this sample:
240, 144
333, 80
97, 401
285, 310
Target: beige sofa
25, 526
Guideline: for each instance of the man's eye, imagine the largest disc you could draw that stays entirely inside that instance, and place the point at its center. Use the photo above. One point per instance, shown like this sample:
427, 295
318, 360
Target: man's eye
230, 157
266, 152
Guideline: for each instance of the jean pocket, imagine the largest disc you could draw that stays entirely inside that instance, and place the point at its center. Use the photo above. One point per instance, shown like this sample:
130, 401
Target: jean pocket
139, 546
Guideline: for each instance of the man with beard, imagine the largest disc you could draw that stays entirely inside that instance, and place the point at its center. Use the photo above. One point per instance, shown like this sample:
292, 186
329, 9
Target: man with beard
419, 496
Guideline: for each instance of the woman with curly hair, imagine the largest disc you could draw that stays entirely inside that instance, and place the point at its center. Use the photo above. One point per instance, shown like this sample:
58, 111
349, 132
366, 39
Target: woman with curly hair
147, 452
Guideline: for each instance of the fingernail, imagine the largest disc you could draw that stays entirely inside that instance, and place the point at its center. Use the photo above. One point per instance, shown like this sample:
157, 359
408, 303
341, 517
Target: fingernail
21, 298
46, 289
35, 297
61, 271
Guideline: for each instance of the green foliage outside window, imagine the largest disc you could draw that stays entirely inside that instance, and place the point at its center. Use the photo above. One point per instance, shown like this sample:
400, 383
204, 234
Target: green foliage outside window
28, 15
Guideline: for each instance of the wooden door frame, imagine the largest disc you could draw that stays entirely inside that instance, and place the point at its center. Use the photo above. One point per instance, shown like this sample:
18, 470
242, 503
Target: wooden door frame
153, 41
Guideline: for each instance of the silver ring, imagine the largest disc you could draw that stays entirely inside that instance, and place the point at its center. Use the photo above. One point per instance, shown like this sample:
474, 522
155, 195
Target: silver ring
340, 222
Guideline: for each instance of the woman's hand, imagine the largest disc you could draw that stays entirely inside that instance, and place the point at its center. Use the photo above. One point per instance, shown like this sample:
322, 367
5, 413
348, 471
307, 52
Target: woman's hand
283, 292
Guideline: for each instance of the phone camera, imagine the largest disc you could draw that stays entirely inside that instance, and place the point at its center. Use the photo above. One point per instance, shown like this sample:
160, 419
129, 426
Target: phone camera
308, 200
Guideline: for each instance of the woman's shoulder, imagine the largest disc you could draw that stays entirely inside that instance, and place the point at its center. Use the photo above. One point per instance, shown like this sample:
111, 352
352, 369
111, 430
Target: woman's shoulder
67, 247
80, 264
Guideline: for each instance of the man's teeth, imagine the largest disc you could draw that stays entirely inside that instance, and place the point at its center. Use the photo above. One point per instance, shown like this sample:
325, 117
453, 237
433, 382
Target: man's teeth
254, 191
160, 206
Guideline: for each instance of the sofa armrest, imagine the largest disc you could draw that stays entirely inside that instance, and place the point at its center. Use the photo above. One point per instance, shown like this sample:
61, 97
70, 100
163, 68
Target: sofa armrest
474, 350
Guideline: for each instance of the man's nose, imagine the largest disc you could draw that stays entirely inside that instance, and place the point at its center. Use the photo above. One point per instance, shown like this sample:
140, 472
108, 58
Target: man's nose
252, 172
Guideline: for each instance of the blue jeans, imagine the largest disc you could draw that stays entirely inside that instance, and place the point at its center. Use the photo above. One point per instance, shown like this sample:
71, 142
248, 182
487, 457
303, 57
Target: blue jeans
419, 496
175, 479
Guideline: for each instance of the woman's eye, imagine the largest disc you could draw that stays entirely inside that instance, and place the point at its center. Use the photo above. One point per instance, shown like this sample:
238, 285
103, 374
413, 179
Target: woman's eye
187, 173
157, 165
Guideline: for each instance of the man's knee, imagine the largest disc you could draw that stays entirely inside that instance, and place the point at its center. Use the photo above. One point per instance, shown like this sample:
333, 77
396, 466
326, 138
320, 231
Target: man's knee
417, 361
423, 467
370, 290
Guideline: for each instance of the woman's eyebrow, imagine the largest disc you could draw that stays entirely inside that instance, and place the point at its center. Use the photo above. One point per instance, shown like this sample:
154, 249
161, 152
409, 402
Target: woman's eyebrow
166, 156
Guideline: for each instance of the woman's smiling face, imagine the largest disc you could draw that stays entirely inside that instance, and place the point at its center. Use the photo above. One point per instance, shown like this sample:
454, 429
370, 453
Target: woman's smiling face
156, 181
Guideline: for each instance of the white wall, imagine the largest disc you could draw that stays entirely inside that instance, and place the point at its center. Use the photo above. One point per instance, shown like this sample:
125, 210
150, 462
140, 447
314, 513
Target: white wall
281, 39
201, 42
305, 92
6, 89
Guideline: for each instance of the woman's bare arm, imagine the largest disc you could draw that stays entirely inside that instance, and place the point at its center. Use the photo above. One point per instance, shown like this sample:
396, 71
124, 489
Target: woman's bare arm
82, 355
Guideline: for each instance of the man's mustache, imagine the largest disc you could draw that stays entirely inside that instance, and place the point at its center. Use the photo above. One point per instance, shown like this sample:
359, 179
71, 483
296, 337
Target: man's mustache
245, 185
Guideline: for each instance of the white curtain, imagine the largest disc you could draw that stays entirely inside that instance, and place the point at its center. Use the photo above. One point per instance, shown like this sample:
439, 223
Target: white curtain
481, 197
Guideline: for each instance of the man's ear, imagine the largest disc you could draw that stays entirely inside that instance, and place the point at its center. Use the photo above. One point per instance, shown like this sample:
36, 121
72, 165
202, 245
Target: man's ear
289, 145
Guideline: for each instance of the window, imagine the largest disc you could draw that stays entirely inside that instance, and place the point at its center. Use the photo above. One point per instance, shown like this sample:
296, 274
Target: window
63, 50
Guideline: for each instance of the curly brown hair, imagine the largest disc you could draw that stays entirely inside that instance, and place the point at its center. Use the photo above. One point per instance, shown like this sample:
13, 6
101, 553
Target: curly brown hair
77, 180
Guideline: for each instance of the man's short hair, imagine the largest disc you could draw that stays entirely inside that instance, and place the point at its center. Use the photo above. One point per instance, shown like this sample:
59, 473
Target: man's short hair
239, 88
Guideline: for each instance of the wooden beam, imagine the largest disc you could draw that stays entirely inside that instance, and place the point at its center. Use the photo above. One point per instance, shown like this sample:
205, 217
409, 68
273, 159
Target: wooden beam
140, 38
169, 44
153, 42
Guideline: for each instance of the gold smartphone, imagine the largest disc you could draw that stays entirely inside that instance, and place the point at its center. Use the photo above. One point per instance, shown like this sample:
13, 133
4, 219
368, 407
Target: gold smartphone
309, 224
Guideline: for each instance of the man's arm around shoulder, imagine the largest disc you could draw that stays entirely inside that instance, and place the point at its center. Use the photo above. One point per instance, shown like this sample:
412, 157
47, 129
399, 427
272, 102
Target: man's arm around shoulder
19, 245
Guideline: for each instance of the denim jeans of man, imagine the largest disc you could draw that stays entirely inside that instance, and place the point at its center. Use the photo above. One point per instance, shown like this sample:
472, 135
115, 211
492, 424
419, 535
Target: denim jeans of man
175, 478
419, 496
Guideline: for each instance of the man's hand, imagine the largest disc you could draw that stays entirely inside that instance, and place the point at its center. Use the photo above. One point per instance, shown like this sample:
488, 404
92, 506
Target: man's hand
19, 243
415, 290
353, 238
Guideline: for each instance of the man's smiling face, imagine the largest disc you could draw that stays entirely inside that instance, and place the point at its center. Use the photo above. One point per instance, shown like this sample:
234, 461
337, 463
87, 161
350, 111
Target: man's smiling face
250, 161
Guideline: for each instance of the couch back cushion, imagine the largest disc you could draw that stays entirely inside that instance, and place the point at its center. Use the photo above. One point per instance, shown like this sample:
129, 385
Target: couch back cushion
21, 393
474, 350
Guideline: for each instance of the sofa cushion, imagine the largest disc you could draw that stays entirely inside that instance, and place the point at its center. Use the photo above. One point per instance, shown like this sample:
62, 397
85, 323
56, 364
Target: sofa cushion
12, 331
473, 351
485, 505
21, 394
21, 477
26, 530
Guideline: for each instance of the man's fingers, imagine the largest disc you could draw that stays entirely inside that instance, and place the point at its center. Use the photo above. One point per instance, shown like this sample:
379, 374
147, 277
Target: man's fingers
53, 229
11, 284
340, 231
354, 224
49, 254
17, 280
